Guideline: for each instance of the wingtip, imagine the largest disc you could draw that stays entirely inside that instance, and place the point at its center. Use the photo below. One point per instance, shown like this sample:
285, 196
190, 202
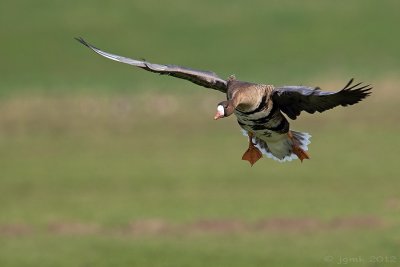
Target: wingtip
364, 88
348, 84
357, 93
82, 41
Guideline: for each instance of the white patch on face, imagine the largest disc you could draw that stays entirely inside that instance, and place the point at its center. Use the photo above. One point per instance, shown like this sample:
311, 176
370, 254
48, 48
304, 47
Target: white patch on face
220, 110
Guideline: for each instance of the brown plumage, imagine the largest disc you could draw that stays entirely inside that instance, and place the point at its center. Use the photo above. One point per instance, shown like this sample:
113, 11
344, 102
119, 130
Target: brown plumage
259, 107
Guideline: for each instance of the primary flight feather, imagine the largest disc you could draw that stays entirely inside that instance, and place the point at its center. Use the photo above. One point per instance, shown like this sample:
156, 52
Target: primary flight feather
258, 107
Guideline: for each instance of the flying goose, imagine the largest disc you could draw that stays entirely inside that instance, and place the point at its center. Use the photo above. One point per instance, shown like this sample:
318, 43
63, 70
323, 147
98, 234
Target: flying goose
258, 107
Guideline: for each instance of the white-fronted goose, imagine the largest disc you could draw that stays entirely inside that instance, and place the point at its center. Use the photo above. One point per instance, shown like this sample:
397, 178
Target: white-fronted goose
259, 107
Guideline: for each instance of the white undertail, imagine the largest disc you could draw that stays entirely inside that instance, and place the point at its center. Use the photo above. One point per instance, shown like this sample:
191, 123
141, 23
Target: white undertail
281, 149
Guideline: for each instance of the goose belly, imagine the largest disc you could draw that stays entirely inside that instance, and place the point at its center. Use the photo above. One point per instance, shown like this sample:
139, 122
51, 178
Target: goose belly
268, 125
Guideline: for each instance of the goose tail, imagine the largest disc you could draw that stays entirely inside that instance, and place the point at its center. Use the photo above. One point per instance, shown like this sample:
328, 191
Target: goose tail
289, 146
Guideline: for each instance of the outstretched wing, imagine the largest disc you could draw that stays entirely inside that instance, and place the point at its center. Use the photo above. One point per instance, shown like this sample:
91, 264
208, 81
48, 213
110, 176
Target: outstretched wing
207, 79
292, 100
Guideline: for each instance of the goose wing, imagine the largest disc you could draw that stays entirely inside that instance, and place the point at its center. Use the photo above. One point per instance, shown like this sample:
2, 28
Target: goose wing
206, 79
292, 100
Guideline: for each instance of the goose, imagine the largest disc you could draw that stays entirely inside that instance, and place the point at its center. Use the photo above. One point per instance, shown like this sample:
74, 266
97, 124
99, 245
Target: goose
259, 108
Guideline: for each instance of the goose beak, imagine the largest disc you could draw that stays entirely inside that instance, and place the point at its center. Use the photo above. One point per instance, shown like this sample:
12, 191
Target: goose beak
218, 115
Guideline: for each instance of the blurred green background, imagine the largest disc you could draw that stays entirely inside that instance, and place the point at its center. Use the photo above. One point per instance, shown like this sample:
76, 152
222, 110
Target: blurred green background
102, 164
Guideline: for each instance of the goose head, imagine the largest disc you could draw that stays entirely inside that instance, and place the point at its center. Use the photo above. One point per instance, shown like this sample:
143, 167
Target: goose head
224, 109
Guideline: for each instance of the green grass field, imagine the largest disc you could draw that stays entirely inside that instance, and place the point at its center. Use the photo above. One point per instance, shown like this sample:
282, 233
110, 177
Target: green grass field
281, 42
105, 165
98, 181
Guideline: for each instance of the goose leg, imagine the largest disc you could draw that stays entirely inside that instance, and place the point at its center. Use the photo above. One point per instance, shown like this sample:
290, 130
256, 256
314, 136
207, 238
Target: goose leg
252, 154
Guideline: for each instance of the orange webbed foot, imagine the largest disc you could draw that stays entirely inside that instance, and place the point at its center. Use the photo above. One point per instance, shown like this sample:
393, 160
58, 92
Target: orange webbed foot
252, 154
297, 150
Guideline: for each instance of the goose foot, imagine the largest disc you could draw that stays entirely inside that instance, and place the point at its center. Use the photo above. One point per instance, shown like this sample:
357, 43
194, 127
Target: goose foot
300, 153
252, 154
